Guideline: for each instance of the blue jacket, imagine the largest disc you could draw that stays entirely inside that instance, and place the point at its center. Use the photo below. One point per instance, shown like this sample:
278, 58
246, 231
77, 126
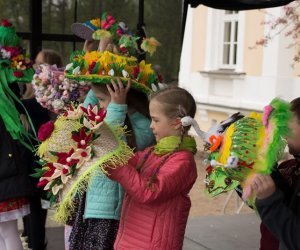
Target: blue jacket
104, 196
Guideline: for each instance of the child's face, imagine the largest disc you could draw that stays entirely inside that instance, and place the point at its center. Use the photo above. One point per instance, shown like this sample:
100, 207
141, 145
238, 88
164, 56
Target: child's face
39, 59
104, 98
161, 125
294, 140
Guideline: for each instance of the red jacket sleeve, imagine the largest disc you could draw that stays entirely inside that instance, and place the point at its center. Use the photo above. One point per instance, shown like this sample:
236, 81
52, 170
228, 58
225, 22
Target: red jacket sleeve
177, 175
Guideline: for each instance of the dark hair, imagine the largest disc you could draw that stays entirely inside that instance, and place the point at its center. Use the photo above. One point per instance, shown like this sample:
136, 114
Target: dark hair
295, 107
51, 57
137, 101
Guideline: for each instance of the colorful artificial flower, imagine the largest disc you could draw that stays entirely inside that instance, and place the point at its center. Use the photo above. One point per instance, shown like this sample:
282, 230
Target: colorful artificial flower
94, 117
82, 138
55, 92
65, 158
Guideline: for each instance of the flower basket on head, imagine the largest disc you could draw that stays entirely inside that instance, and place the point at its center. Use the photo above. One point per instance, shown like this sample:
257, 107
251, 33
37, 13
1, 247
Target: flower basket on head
55, 92
72, 150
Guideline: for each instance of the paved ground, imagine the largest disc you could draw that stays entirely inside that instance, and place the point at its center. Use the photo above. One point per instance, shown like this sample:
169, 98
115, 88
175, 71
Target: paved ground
220, 232
226, 232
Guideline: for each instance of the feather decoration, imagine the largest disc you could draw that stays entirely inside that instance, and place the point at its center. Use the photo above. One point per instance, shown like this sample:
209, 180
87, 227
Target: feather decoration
100, 34
150, 45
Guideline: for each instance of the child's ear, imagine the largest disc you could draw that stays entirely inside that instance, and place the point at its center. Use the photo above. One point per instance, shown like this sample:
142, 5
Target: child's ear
177, 123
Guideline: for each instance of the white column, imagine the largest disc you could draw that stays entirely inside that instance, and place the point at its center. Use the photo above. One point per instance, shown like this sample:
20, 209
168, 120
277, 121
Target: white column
186, 51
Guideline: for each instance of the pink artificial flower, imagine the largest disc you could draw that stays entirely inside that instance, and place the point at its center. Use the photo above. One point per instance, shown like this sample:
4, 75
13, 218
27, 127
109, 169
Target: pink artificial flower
267, 111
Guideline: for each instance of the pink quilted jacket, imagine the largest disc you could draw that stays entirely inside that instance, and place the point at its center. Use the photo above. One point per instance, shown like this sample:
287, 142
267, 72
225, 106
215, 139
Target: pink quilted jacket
156, 218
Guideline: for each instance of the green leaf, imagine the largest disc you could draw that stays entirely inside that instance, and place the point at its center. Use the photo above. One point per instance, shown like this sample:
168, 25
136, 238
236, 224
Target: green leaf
139, 76
53, 153
96, 68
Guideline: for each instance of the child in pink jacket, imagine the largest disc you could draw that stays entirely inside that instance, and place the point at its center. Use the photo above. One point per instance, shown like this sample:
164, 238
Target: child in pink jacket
157, 180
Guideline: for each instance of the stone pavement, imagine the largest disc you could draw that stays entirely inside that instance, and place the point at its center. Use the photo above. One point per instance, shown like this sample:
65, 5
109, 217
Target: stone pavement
223, 232
219, 232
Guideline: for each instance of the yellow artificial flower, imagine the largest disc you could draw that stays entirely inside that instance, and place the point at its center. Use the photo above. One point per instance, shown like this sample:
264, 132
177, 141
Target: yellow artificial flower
92, 56
105, 60
96, 22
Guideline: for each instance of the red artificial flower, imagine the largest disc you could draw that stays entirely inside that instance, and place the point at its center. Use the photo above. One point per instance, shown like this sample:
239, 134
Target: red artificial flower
66, 113
5, 23
64, 158
136, 71
209, 169
14, 51
42, 183
84, 109
98, 116
45, 131
119, 32
93, 114
91, 67
50, 171
82, 138
160, 78
18, 74
123, 50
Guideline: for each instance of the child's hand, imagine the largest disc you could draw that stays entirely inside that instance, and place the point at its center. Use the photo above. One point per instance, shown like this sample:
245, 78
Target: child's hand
117, 92
90, 45
263, 186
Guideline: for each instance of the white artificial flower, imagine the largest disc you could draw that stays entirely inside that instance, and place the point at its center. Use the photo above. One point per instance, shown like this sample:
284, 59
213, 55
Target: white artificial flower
68, 66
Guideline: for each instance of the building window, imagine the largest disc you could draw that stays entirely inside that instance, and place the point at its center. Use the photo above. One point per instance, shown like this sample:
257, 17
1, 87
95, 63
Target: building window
230, 39
224, 40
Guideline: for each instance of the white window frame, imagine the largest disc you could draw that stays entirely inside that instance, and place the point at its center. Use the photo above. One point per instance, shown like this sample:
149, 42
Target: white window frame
215, 39
233, 20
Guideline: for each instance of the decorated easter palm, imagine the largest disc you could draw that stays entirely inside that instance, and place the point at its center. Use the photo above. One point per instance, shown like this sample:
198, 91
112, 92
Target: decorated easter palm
242, 146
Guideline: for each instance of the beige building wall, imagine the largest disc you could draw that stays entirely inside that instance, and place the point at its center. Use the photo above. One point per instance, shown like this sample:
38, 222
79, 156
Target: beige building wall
254, 30
297, 65
199, 38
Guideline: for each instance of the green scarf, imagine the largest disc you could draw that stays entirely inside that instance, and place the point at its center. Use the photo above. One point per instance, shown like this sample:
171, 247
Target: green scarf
171, 143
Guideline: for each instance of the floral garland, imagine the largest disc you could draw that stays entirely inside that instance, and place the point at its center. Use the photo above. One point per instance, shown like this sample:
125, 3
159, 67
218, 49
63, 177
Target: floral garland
55, 174
55, 92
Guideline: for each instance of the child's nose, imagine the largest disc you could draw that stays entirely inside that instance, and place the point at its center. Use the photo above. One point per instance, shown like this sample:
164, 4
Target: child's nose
151, 125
